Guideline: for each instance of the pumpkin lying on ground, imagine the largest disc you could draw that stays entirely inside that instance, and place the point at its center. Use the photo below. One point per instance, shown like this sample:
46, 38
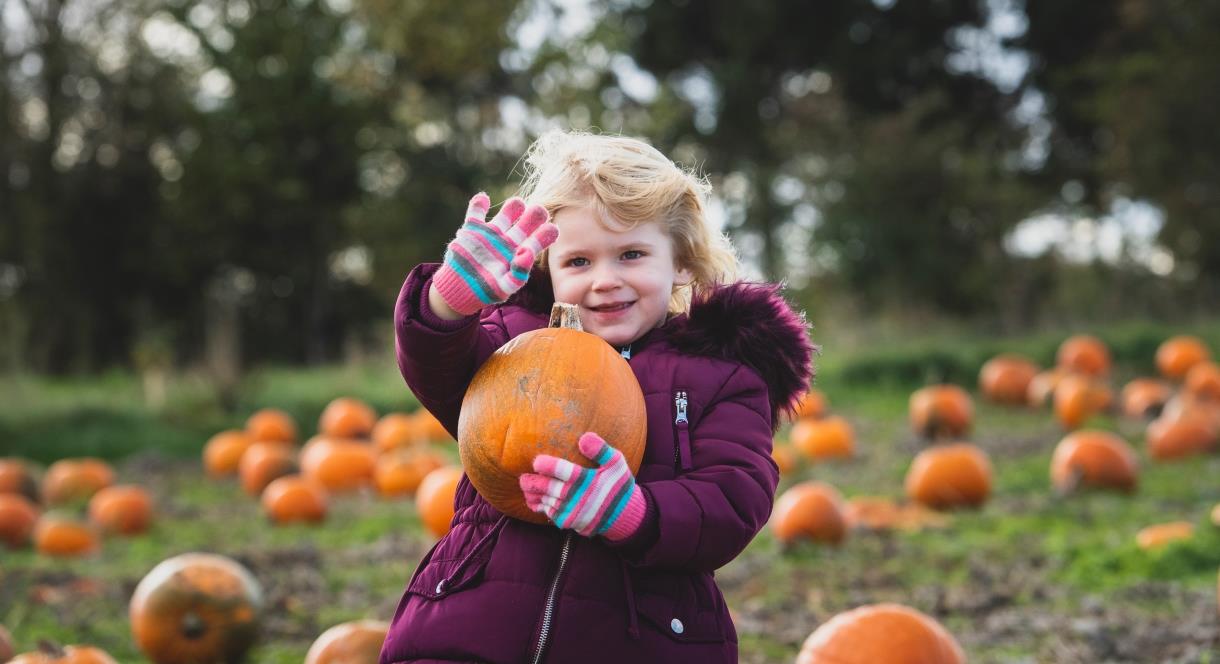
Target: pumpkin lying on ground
1155, 537
1145, 397
1042, 386
828, 438
292, 499
52, 654
17, 518
1005, 378
394, 431
356, 642
65, 536
125, 509
878, 513
784, 456
1176, 355
537, 394
434, 499
941, 411
74, 480
1084, 353
881, 634
1173, 437
223, 451
400, 472
264, 462
811, 405
809, 510
196, 608
428, 429
271, 425
17, 476
1077, 398
948, 476
1203, 382
338, 464
346, 417
1094, 459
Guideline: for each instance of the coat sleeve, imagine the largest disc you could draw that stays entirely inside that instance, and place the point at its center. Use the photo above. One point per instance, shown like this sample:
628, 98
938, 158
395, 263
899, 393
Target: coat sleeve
437, 357
706, 516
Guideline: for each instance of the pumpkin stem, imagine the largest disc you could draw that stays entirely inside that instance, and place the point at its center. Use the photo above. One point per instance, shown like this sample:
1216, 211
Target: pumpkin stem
50, 648
566, 316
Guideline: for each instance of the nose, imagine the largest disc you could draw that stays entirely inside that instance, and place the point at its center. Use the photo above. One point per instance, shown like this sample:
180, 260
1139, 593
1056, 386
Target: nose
606, 278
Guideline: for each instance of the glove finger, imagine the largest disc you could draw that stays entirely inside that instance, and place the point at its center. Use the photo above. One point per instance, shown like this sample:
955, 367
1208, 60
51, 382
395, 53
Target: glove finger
508, 214
533, 217
477, 210
595, 448
560, 469
532, 483
523, 262
534, 502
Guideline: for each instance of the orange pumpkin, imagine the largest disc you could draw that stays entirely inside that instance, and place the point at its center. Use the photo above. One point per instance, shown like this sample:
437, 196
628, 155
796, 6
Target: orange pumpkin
223, 451
75, 480
434, 499
1189, 434
1077, 398
17, 518
16, 476
812, 404
536, 395
356, 642
829, 438
1178, 354
1203, 382
881, 634
1145, 397
346, 417
784, 457
293, 498
398, 473
1042, 386
63, 536
428, 429
948, 476
264, 462
125, 509
339, 465
6, 645
1084, 354
1096, 459
394, 431
272, 425
52, 654
941, 411
809, 510
196, 608
1005, 379
1155, 537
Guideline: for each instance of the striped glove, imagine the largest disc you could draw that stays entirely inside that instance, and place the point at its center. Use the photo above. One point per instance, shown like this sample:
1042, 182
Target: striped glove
592, 501
488, 262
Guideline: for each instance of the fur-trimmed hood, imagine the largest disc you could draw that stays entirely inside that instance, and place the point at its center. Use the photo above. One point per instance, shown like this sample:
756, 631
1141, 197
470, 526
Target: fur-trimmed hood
741, 322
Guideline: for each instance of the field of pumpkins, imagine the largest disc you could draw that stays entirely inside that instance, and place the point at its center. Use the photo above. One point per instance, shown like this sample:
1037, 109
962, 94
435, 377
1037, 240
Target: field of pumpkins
1059, 512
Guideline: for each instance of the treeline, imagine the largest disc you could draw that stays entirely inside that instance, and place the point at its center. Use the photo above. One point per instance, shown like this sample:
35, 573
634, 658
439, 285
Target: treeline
242, 181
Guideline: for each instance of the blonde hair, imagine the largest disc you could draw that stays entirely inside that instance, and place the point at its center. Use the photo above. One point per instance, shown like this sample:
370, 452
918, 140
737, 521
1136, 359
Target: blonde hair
630, 182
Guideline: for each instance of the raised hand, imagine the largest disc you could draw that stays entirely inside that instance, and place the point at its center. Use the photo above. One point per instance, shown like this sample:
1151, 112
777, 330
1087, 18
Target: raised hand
592, 501
488, 262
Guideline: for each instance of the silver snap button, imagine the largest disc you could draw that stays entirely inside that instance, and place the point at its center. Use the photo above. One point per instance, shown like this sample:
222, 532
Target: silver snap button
677, 626
440, 587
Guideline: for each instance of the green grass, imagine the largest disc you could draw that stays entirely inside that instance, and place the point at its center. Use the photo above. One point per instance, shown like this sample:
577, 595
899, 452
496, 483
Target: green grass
1026, 551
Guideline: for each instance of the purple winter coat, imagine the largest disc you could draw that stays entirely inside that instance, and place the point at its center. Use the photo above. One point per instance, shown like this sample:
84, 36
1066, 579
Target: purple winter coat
482, 592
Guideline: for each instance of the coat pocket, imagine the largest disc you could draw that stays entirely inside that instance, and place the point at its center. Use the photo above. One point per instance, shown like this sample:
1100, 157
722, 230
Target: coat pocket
440, 575
680, 607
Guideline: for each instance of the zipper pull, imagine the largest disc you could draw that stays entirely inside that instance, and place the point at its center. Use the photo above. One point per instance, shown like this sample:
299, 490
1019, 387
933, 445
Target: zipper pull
680, 406
625, 352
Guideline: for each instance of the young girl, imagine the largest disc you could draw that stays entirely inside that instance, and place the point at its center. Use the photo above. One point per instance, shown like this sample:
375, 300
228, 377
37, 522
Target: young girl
624, 574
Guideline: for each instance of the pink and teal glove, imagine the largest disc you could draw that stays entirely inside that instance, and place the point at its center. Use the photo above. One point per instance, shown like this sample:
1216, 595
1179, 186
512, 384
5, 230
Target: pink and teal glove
488, 262
592, 501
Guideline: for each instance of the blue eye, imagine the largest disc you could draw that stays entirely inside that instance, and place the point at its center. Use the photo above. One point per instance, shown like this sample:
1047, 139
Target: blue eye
578, 262
633, 254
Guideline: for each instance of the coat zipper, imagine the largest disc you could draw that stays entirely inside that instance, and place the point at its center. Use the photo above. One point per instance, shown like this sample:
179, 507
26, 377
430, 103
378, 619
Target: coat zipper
681, 423
548, 612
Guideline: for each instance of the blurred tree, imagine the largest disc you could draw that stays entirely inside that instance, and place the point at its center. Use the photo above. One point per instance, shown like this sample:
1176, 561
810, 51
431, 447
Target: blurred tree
1130, 94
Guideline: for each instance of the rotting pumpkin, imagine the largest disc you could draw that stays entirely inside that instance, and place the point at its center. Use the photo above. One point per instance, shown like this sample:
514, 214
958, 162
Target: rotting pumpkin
536, 395
196, 608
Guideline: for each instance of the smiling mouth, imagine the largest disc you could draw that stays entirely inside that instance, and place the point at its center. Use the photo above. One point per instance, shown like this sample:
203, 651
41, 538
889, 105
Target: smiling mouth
610, 308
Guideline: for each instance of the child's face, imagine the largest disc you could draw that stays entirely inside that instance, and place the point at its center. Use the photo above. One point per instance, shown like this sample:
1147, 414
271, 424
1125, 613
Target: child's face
621, 280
